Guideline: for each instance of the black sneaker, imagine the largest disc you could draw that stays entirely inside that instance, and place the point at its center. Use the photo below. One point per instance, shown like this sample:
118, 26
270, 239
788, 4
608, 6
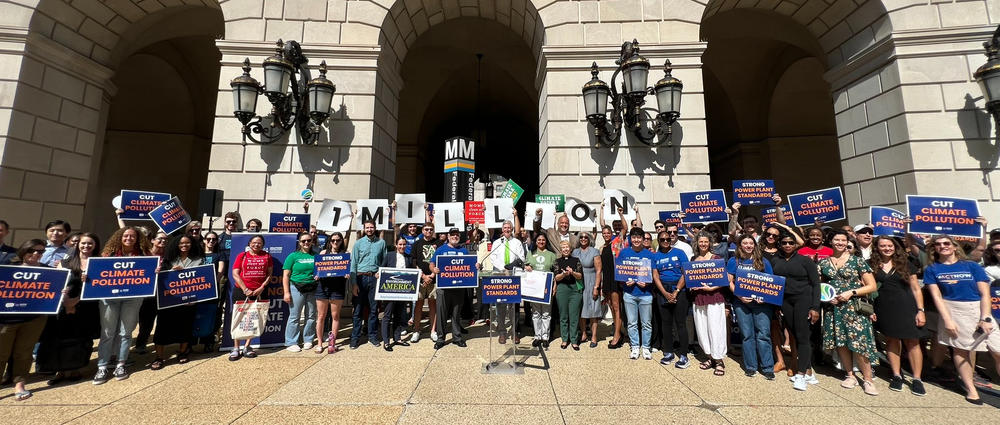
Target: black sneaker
750, 373
545, 345
917, 388
768, 375
536, 342
120, 373
896, 384
438, 345
461, 344
102, 376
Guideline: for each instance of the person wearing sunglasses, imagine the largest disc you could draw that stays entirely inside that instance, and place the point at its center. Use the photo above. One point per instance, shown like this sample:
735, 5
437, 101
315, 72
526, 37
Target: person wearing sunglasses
231, 225
800, 306
591, 311
299, 283
330, 295
421, 253
961, 292
21, 331
193, 229
864, 237
672, 298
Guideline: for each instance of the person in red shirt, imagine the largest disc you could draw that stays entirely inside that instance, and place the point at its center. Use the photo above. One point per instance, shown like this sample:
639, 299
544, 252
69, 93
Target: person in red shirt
814, 248
252, 271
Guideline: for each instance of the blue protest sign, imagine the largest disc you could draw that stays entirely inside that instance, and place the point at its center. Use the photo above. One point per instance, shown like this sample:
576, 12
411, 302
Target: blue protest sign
31, 290
753, 192
180, 287
995, 305
332, 265
826, 205
939, 214
397, 284
279, 245
288, 223
673, 217
120, 277
170, 216
501, 290
707, 273
770, 214
635, 268
457, 271
760, 286
137, 204
705, 206
887, 221
536, 286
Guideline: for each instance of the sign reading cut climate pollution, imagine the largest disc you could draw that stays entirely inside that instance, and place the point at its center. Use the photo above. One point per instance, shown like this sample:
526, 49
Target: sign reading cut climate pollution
179, 287
759, 286
995, 306
753, 192
332, 265
707, 273
170, 216
397, 284
288, 223
938, 214
457, 271
819, 205
120, 277
633, 267
31, 290
137, 204
770, 214
501, 290
887, 221
704, 207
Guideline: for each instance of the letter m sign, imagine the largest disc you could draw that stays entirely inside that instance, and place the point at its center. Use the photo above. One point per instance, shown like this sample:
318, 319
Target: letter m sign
458, 147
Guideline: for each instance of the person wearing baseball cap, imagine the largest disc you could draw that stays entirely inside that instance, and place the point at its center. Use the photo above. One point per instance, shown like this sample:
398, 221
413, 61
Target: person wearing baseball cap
864, 234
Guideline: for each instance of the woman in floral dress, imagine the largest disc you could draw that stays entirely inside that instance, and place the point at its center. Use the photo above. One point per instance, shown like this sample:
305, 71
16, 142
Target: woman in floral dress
844, 329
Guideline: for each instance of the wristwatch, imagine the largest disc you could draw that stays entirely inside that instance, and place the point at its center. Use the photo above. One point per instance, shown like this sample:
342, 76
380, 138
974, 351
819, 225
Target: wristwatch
986, 319
854, 292
921, 310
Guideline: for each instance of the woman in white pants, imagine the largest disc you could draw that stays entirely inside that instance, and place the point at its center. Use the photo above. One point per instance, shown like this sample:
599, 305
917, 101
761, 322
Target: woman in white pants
709, 311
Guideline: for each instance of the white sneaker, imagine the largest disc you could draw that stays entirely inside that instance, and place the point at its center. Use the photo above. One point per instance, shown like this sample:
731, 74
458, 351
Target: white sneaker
653, 350
646, 354
307, 346
634, 354
811, 379
294, 348
434, 336
799, 382
416, 337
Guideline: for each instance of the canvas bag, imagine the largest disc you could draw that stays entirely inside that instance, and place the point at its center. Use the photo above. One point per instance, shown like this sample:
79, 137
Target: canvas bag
249, 319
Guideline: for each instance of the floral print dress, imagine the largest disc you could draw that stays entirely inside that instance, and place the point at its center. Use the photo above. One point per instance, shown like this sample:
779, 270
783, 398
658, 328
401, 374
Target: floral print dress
842, 327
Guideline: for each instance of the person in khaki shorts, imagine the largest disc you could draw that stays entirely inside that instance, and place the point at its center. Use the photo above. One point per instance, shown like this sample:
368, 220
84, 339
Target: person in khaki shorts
421, 252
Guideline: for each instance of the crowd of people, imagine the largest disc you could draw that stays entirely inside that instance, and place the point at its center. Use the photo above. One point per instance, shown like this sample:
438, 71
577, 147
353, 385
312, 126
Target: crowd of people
904, 297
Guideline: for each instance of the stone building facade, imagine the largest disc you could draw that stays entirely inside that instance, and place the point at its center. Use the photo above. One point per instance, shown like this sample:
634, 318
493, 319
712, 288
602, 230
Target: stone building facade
875, 96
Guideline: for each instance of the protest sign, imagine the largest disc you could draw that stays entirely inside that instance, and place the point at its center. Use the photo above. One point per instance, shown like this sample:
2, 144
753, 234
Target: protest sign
136, 204
120, 277
475, 212
449, 215
705, 273
410, 208
753, 192
770, 214
536, 286
332, 265
501, 290
397, 284
581, 216
672, 218
995, 305
179, 287
939, 214
334, 216
457, 271
819, 205
887, 221
511, 191
760, 286
615, 199
705, 206
558, 200
278, 245
288, 223
496, 211
548, 214
633, 268
31, 290
170, 216
376, 210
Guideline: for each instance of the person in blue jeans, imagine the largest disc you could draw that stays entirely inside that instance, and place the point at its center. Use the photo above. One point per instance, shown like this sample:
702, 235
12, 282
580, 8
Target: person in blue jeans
637, 294
299, 283
754, 317
366, 256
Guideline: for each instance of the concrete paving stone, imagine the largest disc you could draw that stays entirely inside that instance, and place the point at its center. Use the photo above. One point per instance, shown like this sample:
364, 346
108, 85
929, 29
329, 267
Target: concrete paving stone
221, 380
504, 414
796, 415
165, 413
929, 415
43, 414
936, 396
460, 381
589, 381
574, 415
359, 380
265, 414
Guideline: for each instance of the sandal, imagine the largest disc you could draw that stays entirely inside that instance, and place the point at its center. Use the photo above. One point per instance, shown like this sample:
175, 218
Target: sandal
22, 395
182, 357
156, 364
707, 364
720, 368
319, 348
249, 353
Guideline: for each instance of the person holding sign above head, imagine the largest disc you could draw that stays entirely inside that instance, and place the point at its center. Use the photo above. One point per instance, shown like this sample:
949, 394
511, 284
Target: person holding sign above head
709, 310
899, 309
20, 332
365, 258
450, 301
610, 290
252, 272
800, 305
330, 295
119, 315
847, 326
569, 295
591, 311
422, 252
541, 259
299, 283
637, 293
504, 257
753, 316
393, 321
672, 299
173, 325
961, 292
558, 234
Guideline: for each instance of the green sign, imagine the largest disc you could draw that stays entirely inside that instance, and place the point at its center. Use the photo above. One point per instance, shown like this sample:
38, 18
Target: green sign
511, 190
558, 200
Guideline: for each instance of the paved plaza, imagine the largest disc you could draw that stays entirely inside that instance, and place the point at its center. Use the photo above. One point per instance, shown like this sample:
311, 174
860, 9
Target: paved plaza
418, 385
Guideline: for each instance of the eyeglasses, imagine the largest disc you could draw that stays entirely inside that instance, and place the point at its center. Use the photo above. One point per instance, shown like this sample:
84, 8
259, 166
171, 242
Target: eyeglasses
211, 239
659, 226
160, 239
305, 240
664, 239
772, 235
196, 230
942, 243
230, 221
336, 240
787, 243
864, 232
585, 237
671, 232
428, 229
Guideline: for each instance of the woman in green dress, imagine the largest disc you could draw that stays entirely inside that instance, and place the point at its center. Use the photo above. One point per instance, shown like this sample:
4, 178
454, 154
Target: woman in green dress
845, 329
